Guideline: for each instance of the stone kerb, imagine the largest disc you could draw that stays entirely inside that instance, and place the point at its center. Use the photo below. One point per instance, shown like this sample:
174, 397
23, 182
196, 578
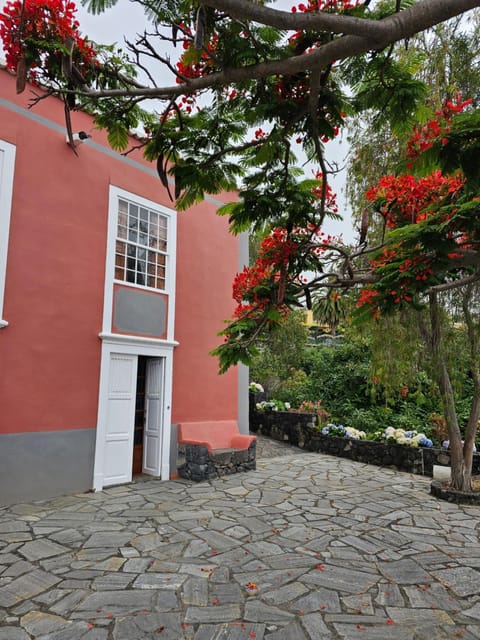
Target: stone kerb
299, 430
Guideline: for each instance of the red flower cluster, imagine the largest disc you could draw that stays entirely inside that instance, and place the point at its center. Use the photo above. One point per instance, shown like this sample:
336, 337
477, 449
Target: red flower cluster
331, 197
405, 269
33, 32
424, 136
275, 251
386, 256
410, 267
295, 90
196, 64
334, 6
402, 294
330, 6
264, 284
405, 199
369, 297
260, 134
418, 267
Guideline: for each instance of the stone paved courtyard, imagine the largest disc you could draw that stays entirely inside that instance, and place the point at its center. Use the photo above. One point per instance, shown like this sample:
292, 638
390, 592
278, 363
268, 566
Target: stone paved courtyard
308, 547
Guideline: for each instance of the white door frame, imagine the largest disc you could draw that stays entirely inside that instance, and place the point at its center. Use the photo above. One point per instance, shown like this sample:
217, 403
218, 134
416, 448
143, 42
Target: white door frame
137, 347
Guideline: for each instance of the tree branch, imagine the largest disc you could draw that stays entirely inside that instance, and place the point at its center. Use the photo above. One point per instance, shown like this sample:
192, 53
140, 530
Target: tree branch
447, 286
426, 13
375, 35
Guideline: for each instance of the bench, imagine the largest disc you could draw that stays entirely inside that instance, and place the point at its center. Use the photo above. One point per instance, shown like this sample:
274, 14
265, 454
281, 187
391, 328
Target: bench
214, 449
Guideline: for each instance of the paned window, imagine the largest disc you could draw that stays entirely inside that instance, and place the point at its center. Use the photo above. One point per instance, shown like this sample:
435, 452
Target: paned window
141, 249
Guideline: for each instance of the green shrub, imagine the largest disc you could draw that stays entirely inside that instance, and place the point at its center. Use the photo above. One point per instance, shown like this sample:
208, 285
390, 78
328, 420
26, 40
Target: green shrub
340, 376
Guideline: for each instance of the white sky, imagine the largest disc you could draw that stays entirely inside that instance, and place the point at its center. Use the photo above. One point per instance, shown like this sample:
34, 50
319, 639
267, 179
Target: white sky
127, 18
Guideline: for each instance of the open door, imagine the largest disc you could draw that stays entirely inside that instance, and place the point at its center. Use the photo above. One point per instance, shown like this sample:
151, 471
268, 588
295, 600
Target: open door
118, 447
154, 406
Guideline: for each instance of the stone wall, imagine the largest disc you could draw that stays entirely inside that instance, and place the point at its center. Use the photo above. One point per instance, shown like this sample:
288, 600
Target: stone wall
298, 429
286, 426
200, 464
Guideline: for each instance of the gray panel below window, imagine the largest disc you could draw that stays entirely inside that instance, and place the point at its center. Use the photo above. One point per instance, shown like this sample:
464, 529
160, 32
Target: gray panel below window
139, 312
35, 466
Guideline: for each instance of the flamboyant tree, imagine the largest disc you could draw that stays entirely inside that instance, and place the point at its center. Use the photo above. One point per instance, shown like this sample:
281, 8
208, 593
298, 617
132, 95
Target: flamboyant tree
446, 59
430, 245
279, 74
433, 247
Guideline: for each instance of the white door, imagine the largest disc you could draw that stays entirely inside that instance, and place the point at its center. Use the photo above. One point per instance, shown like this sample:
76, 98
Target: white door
118, 451
154, 401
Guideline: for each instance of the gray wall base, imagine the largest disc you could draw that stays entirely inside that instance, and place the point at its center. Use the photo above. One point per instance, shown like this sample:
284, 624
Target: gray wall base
35, 466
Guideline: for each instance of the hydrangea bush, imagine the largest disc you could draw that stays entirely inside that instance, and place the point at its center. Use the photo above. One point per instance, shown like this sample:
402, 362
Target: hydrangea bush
390, 435
410, 438
255, 387
343, 432
273, 405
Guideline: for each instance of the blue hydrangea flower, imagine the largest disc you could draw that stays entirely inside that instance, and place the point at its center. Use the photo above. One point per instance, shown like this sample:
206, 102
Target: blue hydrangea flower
325, 431
425, 442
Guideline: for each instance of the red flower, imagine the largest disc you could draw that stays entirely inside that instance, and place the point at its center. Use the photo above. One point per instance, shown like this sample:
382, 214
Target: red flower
33, 34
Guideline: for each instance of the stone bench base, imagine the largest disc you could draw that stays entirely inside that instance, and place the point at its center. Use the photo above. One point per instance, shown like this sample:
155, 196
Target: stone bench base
201, 465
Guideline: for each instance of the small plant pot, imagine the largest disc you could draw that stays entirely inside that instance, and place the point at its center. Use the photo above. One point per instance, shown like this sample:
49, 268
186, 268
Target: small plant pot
441, 473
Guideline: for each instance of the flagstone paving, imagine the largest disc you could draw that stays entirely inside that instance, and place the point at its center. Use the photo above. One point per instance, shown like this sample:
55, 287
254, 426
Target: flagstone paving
308, 547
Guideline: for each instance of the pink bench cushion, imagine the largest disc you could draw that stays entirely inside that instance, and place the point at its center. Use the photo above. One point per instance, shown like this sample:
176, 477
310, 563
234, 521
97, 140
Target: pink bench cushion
220, 434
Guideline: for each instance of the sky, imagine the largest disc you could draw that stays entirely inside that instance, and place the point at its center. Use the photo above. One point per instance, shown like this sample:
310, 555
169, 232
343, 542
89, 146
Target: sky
126, 19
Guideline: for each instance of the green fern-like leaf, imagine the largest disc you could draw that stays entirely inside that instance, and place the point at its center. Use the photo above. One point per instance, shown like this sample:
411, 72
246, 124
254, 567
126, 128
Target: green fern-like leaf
117, 136
98, 6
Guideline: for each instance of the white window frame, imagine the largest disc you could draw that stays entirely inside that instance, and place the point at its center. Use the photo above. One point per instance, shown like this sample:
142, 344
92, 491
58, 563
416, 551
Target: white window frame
127, 241
115, 194
7, 165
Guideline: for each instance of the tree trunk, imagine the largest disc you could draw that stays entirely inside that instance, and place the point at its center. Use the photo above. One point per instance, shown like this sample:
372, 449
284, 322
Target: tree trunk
472, 331
460, 459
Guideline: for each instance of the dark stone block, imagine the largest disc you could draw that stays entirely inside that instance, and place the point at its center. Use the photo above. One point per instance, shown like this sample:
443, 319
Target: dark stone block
200, 464
196, 453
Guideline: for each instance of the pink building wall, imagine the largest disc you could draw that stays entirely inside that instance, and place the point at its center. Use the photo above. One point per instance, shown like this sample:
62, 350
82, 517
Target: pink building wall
50, 352
208, 259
